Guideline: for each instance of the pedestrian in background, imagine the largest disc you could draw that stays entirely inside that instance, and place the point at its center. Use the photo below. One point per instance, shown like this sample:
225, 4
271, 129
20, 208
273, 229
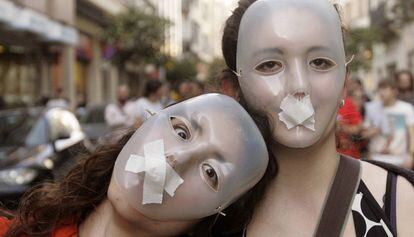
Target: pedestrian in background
389, 124
59, 100
404, 79
121, 113
349, 127
151, 102
228, 84
196, 88
166, 99
184, 91
2, 103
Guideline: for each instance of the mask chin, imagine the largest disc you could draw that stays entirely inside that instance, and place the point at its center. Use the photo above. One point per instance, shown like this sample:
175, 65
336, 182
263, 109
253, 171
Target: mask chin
301, 137
298, 137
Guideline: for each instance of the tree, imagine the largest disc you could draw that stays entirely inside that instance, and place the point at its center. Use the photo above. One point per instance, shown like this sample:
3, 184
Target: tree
403, 12
138, 36
359, 42
181, 70
214, 68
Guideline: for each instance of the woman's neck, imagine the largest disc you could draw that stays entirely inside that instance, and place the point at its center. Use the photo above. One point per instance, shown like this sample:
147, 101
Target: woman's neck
106, 222
307, 170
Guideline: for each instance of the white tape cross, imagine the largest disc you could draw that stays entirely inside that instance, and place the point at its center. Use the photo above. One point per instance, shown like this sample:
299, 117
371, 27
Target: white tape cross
159, 175
297, 112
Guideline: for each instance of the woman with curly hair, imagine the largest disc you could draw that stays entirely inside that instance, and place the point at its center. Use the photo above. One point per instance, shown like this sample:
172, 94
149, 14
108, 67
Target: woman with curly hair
185, 167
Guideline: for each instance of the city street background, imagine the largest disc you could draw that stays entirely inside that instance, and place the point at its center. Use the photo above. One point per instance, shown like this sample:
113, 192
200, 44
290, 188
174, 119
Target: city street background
74, 71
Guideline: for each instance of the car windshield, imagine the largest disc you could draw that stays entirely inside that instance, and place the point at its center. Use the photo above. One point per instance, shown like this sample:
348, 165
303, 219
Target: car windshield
17, 127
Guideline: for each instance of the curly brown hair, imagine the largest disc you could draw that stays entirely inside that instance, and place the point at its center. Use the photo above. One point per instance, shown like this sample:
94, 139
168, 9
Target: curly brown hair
70, 201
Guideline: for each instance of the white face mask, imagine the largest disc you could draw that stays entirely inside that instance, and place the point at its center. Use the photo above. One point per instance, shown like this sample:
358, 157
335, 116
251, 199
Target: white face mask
191, 160
291, 63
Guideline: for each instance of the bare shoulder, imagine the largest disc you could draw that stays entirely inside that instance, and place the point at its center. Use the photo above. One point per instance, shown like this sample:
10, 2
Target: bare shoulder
375, 178
405, 207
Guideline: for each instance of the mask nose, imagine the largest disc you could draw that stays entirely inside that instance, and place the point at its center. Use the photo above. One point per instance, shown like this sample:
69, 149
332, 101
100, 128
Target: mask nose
298, 83
299, 95
183, 157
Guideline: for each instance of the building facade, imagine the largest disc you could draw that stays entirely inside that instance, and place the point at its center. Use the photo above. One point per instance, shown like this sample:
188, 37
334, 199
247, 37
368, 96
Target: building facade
52, 46
398, 52
203, 23
33, 35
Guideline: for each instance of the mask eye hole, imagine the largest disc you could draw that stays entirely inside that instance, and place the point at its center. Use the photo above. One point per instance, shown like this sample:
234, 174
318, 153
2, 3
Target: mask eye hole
269, 67
210, 176
180, 128
322, 64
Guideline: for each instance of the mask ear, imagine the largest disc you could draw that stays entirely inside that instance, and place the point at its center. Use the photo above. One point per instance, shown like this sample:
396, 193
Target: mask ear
344, 93
350, 61
150, 113
229, 85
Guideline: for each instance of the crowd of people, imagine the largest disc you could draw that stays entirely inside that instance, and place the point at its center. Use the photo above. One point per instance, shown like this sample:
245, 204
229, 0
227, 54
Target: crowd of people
380, 127
127, 111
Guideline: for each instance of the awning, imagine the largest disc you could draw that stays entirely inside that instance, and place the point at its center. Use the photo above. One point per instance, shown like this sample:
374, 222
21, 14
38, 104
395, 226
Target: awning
25, 19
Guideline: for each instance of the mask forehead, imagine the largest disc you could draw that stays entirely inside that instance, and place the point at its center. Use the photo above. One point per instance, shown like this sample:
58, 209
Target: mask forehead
223, 135
293, 48
217, 121
270, 26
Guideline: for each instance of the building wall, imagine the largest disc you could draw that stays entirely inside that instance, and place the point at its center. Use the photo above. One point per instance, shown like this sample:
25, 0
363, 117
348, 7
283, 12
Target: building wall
95, 76
63, 11
171, 10
41, 67
356, 13
38, 5
203, 27
398, 55
387, 58
33, 62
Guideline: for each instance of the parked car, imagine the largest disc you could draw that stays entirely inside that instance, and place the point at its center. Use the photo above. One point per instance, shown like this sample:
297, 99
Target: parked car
93, 123
36, 144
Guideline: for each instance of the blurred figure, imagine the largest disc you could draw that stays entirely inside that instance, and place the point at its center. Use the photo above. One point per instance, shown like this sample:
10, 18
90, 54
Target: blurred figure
2, 103
59, 100
354, 84
349, 123
196, 88
405, 82
357, 93
184, 91
121, 113
44, 99
389, 124
151, 102
81, 105
228, 84
166, 98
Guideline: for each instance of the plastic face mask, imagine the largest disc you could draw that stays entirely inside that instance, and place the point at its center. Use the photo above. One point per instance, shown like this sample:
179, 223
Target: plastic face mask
213, 153
293, 48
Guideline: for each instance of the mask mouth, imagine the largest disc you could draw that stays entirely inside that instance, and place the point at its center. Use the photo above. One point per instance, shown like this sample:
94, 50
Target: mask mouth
297, 111
159, 175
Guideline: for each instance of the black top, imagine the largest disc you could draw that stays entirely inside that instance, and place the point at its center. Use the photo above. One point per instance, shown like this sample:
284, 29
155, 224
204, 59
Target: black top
370, 219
